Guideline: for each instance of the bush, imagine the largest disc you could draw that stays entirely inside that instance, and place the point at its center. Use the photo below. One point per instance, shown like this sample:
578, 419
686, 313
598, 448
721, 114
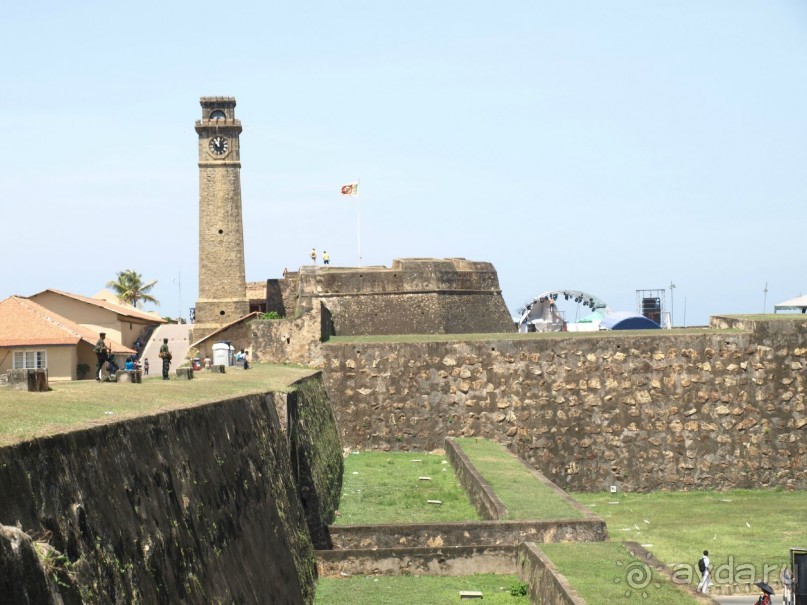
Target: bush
270, 315
519, 589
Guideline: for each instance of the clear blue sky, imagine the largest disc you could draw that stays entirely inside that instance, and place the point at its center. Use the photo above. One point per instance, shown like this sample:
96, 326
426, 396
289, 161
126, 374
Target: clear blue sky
606, 146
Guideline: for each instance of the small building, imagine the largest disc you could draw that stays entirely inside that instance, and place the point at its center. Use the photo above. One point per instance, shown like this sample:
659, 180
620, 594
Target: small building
33, 336
122, 323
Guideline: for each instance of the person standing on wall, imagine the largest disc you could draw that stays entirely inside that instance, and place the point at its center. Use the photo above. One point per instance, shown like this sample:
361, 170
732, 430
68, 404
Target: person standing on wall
102, 350
313, 255
326, 258
165, 355
704, 566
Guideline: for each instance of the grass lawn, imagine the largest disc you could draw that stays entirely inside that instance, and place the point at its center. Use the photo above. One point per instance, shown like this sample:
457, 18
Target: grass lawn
384, 487
604, 573
526, 498
82, 403
518, 336
431, 590
743, 530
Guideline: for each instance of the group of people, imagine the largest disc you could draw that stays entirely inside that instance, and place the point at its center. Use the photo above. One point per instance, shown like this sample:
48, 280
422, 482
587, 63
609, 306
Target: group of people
105, 360
242, 357
326, 258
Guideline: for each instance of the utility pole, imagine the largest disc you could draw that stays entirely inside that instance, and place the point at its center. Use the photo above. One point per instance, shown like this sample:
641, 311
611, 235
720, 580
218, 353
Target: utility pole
764, 298
672, 305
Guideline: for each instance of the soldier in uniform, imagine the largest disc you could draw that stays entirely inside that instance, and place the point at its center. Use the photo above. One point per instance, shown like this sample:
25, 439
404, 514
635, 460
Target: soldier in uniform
165, 355
102, 351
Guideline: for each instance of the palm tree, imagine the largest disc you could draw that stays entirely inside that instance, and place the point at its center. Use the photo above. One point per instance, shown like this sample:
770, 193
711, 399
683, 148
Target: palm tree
130, 288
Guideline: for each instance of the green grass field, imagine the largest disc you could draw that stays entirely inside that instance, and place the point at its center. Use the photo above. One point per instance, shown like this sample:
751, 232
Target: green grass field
745, 531
384, 487
82, 403
423, 590
387, 338
525, 497
604, 573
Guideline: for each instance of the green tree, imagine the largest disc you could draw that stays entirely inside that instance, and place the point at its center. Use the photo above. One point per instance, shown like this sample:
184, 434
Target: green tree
130, 288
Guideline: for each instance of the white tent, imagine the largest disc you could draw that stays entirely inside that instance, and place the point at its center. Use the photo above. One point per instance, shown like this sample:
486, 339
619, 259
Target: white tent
794, 304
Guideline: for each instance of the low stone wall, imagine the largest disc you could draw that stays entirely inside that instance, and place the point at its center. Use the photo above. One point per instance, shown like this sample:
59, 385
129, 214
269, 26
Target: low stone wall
196, 505
480, 493
485, 533
642, 412
546, 583
447, 561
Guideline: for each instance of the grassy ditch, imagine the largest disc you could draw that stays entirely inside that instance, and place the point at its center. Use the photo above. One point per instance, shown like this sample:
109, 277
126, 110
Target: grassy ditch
78, 404
526, 498
434, 590
385, 487
747, 532
604, 573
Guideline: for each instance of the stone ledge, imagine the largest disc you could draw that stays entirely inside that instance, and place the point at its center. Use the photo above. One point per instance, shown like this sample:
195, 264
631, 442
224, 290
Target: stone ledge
446, 561
185, 373
482, 496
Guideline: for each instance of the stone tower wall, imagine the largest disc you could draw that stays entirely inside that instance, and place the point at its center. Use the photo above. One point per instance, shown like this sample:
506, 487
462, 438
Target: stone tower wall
222, 284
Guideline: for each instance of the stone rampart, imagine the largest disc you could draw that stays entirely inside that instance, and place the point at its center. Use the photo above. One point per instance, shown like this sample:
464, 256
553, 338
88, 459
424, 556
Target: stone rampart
197, 505
666, 410
414, 296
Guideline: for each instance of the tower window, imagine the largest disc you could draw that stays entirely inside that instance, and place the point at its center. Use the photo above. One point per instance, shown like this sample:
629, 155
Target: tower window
218, 114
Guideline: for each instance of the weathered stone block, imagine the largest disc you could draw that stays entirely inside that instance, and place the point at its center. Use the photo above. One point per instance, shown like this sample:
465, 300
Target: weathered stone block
217, 369
34, 381
131, 376
185, 373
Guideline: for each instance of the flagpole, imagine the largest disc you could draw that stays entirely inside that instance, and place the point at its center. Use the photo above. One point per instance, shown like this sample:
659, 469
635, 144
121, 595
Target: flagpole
358, 222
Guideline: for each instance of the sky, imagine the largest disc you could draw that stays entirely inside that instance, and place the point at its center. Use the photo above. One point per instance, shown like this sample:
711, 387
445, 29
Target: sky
606, 146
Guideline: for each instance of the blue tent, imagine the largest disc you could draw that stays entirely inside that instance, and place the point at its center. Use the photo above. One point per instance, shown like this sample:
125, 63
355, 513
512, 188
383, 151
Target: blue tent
625, 320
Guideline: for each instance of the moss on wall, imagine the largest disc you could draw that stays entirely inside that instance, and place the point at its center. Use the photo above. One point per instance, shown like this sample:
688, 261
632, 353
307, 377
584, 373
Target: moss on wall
316, 456
197, 505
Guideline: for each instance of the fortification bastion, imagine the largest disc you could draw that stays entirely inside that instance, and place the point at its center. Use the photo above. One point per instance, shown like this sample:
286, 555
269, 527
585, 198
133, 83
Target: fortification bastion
414, 295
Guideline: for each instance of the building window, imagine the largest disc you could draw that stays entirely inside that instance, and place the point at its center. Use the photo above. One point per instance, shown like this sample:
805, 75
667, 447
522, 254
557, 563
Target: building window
30, 360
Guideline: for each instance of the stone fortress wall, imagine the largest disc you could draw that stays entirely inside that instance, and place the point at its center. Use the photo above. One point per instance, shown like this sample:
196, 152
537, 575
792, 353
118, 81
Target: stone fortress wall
657, 411
183, 506
413, 296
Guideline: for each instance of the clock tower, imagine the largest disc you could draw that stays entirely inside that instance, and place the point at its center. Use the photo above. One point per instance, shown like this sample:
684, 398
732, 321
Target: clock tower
222, 283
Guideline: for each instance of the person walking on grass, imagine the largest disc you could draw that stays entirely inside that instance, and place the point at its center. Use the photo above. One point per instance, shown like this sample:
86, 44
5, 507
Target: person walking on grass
704, 566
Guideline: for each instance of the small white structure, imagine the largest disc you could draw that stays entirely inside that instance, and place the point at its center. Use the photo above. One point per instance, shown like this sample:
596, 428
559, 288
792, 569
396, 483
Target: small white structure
223, 354
794, 304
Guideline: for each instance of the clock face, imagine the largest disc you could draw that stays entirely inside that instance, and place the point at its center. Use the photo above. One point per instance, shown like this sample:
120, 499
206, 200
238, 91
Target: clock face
218, 145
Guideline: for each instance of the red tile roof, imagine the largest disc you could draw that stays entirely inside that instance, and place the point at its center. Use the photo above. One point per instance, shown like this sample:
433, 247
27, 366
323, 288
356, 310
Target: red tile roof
24, 323
125, 310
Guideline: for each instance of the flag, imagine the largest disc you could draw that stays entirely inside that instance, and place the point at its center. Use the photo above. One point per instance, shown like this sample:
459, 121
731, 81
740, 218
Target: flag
351, 189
